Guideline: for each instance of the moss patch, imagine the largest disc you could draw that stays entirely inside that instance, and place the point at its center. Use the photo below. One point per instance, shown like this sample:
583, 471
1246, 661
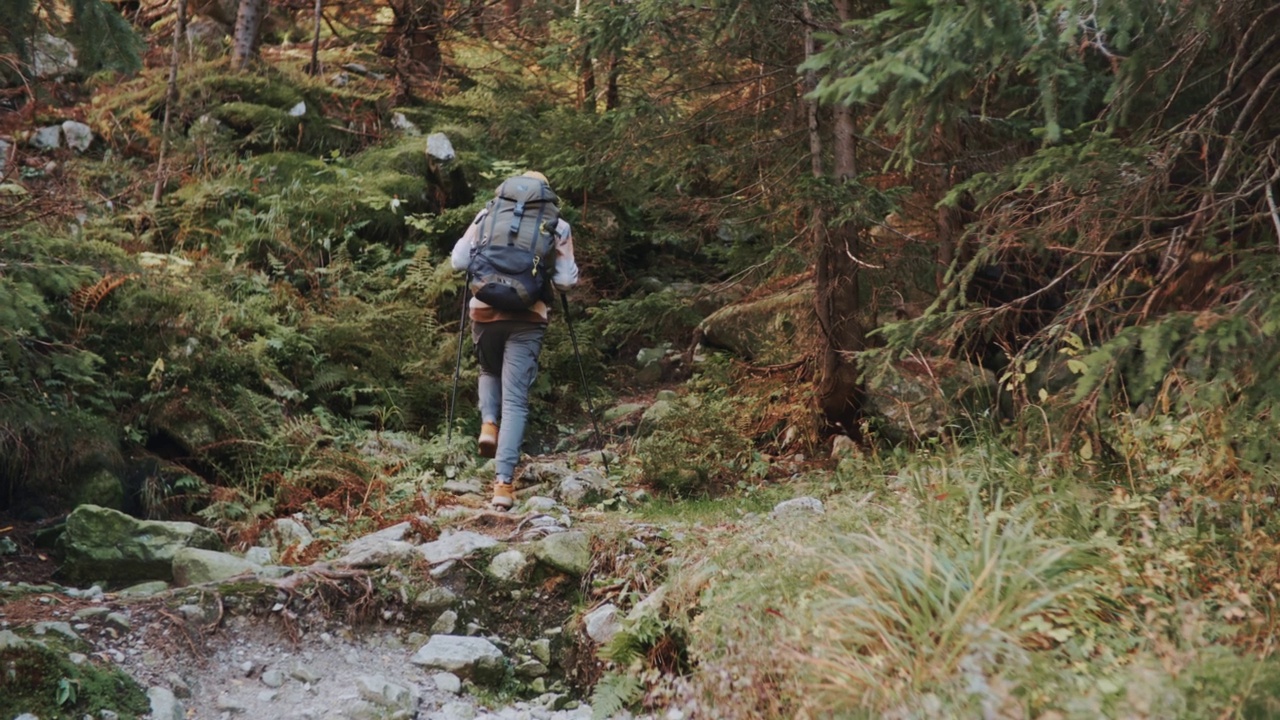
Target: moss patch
39, 679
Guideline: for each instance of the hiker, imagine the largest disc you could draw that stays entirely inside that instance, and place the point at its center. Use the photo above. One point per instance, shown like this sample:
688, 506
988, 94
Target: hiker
509, 339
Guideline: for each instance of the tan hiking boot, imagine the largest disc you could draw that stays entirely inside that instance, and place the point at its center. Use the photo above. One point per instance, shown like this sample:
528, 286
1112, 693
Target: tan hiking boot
488, 439
504, 495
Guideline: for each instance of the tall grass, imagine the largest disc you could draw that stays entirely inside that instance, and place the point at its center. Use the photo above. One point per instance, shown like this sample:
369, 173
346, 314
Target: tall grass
924, 593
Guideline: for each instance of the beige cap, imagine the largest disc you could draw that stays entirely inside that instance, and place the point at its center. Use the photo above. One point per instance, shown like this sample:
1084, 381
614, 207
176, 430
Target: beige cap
537, 176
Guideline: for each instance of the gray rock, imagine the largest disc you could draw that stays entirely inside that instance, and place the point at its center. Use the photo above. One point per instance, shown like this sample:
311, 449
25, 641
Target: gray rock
273, 678
178, 685
445, 624
653, 605
655, 414
384, 693
618, 413
530, 669
468, 657
100, 543
435, 598
456, 710
287, 532
455, 546
843, 446
193, 566
52, 56
164, 705
439, 147
404, 125
230, 705
540, 472
378, 555
146, 589
304, 674
47, 138
79, 136
797, 508
61, 628
27, 716
9, 640
447, 683
5, 148
569, 552
602, 623
469, 486
298, 110
771, 330
509, 566
542, 504
583, 488
379, 548
541, 649
258, 555
921, 397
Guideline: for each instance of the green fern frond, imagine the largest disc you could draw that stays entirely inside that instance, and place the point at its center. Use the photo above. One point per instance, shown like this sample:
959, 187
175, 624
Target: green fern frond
613, 694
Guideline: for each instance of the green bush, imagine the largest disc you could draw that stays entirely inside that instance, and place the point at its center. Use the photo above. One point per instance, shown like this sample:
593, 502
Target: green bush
697, 447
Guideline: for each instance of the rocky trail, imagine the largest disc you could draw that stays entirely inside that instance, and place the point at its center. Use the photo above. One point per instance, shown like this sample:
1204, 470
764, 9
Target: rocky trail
458, 613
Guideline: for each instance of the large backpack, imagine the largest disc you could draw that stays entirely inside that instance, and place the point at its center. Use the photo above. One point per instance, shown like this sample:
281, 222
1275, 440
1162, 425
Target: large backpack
511, 261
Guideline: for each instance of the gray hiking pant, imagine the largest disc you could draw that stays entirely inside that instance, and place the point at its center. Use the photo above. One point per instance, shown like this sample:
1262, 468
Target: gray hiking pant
508, 354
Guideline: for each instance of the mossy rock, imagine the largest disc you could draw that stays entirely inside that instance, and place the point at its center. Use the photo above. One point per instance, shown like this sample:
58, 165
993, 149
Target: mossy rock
258, 89
104, 544
267, 129
408, 157
102, 488
289, 166
40, 679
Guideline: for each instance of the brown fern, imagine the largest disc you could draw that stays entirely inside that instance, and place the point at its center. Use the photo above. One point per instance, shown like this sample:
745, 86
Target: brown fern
89, 298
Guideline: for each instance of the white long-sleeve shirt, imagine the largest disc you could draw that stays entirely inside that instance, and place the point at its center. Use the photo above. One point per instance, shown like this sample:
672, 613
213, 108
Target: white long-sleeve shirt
563, 276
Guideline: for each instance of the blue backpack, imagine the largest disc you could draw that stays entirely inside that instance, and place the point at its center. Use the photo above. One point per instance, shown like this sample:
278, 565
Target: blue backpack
512, 260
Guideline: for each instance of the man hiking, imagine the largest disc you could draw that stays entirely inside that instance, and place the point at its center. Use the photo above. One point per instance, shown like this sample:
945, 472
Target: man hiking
508, 251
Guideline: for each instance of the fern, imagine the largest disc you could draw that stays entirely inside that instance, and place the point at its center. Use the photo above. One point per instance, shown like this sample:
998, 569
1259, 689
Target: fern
613, 694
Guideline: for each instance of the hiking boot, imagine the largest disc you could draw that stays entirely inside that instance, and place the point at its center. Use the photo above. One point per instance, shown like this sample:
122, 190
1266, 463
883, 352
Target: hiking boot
488, 439
504, 495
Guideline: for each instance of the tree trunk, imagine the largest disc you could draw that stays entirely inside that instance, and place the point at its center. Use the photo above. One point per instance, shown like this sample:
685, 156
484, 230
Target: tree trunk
244, 40
611, 84
314, 68
413, 35
170, 99
587, 73
838, 303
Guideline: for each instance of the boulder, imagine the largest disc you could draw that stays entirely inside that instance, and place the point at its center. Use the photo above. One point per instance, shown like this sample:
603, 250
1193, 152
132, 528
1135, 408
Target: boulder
568, 552
455, 546
509, 566
183, 424
583, 488
472, 658
101, 488
797, 508
52, 56
602, 623
104, 544
193, 566
46, 138
79, 136
776, 329
439, 148
919, 398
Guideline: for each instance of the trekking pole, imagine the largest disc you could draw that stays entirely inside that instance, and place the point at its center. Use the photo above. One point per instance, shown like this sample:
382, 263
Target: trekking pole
457, 365
591, 406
